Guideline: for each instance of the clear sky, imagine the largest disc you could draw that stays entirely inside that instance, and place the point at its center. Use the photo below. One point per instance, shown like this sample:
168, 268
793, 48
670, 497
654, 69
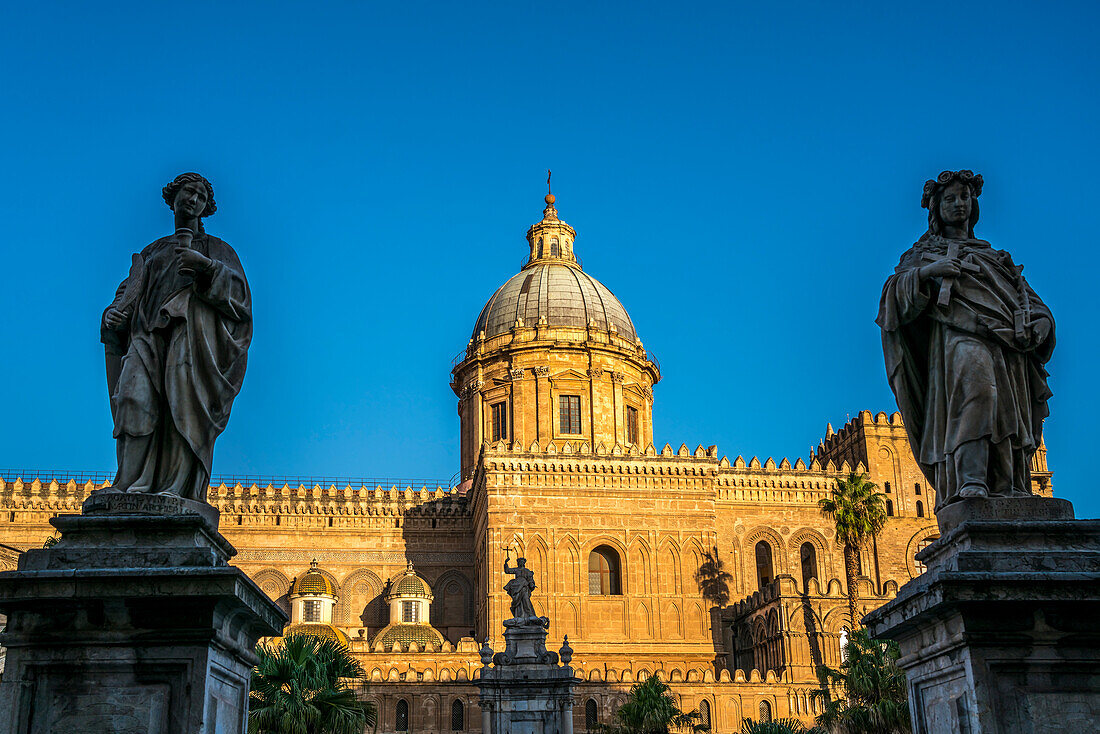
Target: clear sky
743, 176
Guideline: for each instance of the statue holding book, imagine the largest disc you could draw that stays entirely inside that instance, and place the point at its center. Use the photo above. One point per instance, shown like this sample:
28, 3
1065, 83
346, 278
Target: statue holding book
965, 340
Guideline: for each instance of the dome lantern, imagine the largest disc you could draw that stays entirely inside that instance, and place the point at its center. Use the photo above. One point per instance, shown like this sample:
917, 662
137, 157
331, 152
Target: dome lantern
551, 240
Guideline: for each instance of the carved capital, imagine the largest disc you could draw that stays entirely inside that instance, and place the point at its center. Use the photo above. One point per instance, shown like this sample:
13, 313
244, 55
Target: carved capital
596, 372
515, 374
618, 377
648, 392
542, 371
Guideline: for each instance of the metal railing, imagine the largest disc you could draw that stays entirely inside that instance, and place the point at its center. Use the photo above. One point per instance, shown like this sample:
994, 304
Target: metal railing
653, 358
62, 476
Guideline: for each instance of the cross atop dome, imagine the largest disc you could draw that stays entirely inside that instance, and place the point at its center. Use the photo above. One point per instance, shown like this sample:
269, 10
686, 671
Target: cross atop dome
551, 240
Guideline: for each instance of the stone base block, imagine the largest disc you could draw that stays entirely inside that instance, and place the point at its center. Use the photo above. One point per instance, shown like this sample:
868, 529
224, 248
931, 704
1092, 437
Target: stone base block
130, 623
526, 691
1001, 634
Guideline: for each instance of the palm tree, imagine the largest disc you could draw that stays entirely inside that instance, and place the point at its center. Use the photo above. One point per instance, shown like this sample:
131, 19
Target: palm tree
652, 709
875, 697
299, 687
859, 514
779, 726
713, 579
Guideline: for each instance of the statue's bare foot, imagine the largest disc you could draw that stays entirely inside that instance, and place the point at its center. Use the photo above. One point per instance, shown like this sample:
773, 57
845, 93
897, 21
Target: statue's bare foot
973, 490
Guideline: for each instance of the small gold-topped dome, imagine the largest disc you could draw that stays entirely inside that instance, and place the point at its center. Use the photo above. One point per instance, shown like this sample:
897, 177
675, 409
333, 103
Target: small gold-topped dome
312, 582
409, 584
403, 634
316, 629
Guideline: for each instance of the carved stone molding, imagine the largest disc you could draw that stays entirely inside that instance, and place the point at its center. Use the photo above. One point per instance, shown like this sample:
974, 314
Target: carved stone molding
365, 558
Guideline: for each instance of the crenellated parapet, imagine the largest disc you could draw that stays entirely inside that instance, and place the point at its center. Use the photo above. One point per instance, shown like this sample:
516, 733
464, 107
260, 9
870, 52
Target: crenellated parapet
241, 504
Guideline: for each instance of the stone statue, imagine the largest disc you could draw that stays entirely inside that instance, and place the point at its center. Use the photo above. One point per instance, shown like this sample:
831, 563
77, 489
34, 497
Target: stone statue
520, 588
965, 340
176, 339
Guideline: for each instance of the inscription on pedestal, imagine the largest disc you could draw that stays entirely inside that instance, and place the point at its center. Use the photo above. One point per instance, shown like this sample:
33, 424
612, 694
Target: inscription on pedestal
78, 706
138, 503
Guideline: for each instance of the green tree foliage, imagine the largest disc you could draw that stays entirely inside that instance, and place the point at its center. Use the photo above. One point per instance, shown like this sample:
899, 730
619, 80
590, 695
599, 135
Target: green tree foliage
300, 686
859, 514
779, 726
713, 579
652, 709
876, 701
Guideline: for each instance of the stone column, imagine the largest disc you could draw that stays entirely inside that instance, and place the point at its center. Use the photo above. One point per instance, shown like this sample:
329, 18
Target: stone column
1000, 634
133, 621
486, 717
567, 716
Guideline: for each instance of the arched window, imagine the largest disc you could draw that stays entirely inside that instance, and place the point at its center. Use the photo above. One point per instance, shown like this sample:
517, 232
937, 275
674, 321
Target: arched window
886, 485
555, 251
603, 572
843, 644
539, 248
765, 711
704, 713
921, 568
591, 714
889, 508
764, 574
808, 553
458, 716
401, 717
920, 509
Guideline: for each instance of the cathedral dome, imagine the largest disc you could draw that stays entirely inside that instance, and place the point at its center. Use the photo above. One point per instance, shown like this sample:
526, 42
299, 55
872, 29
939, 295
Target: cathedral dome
553, 294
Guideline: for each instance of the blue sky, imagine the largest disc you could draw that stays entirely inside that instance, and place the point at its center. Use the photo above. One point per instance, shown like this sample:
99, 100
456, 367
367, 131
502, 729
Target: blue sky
742, 176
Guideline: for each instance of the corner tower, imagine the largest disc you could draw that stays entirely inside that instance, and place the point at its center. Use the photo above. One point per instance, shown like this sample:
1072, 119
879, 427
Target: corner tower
553, 359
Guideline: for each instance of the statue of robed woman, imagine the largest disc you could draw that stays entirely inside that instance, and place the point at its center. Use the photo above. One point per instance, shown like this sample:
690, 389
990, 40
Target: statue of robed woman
965, 340
176, 339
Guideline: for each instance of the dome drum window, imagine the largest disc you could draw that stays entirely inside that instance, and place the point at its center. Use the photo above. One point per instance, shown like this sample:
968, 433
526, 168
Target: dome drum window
500, 421
569, 414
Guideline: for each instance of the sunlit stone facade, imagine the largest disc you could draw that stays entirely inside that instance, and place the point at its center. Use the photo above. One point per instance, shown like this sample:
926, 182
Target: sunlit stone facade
555, 395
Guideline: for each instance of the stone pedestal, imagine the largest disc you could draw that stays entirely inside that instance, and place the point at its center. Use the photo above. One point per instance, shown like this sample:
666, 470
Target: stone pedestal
525, 690
133, 622
1001, 635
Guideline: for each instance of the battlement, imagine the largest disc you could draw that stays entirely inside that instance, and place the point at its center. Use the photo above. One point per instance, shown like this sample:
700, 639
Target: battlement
61, 494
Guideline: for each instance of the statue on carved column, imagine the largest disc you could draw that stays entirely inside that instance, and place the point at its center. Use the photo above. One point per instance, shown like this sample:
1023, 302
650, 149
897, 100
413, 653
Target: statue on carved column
176, 339
966, 339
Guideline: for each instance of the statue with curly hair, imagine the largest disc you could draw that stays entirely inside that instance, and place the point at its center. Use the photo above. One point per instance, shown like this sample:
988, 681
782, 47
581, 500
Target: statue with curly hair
176, 338
965, 340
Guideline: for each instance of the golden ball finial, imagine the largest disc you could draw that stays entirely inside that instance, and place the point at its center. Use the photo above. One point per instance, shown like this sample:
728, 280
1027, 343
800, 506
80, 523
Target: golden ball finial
549, 198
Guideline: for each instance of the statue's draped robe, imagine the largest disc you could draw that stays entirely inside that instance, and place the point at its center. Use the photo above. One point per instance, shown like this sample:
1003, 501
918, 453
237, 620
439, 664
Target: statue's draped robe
520, 589
184, 355
958, 372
